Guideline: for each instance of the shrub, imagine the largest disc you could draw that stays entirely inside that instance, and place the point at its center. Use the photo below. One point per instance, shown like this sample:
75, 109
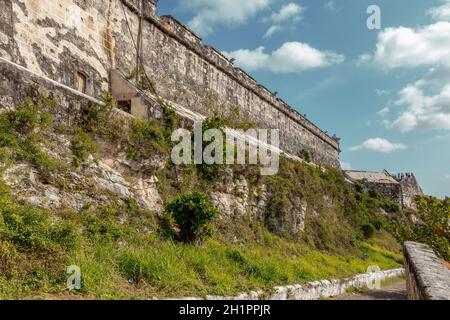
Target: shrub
145, 139
305, 155
192, 214
82, 146
94, 118
368, 230
391, 207
27, 117
378, 223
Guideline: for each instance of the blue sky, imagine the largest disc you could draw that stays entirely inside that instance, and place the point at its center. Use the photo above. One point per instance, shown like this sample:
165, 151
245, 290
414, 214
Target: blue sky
385, 92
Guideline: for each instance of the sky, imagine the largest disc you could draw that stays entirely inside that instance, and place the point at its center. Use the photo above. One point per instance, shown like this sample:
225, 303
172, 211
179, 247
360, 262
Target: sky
385, 92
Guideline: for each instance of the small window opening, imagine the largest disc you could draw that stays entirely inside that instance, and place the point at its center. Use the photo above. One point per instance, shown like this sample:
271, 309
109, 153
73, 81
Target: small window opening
124, 105
81, 82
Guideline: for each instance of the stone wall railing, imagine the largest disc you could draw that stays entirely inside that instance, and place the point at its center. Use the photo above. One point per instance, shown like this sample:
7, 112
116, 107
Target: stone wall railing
426, 276
317, 289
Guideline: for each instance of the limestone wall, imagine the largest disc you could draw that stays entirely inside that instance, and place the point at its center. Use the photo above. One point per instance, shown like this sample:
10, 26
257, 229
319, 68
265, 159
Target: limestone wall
62, 37
426, 276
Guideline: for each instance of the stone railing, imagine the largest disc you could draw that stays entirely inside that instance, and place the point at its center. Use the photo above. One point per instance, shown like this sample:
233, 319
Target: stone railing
317, 289
426, 276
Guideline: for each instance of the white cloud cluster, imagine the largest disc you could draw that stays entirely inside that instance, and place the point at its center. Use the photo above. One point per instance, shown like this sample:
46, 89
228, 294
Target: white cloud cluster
272, 30
441, 13
211, 13
379, 145
291, 57
290, 13
424, 104
407, 47
423, 111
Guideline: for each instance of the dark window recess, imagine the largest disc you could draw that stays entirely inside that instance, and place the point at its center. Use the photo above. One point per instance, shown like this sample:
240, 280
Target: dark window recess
81, 82
124, 105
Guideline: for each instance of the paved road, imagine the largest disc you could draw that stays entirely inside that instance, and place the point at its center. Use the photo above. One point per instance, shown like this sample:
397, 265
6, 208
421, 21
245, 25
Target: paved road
393, 291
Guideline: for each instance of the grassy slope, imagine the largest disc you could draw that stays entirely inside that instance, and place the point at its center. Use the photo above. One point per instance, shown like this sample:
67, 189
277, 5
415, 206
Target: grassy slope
116, 243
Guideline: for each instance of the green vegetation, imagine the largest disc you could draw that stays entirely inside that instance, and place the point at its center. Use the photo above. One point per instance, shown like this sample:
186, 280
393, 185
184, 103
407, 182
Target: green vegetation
432, 227
82, 147
126, 252
211, 171
21, 134
192, 214
231, 116
145, 139
136, 259
305, 155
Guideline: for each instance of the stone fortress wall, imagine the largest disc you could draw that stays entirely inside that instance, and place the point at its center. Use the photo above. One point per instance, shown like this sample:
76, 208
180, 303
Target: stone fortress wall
410, 188
62, 39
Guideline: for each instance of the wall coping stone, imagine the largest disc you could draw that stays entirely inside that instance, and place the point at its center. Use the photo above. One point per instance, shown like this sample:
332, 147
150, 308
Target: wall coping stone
427, 276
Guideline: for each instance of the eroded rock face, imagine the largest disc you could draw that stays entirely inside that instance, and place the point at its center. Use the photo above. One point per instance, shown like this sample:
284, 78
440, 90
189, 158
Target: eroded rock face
27, 186
237, 198
97, 181
290, 219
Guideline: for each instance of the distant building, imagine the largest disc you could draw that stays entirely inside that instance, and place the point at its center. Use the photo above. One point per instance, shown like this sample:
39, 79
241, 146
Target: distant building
401, 188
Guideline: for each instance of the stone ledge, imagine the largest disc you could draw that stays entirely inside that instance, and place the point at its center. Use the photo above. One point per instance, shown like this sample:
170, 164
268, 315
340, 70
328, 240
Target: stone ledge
315, 290
427, 277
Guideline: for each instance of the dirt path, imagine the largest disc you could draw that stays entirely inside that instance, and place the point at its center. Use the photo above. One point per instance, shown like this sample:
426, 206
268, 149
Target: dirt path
392, 291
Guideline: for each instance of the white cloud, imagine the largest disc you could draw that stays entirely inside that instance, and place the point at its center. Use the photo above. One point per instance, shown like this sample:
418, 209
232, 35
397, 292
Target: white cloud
211, 13
437, 76
441, 13
272, 30
384, 111
407, 47
379, 145
422, 111
424, 104
290, 12
291, 57
447, 176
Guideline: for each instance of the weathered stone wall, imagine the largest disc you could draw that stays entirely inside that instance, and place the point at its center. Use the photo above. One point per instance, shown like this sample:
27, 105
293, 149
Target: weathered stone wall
427, 277
60, 38
410, 189
390, 191
112, 172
